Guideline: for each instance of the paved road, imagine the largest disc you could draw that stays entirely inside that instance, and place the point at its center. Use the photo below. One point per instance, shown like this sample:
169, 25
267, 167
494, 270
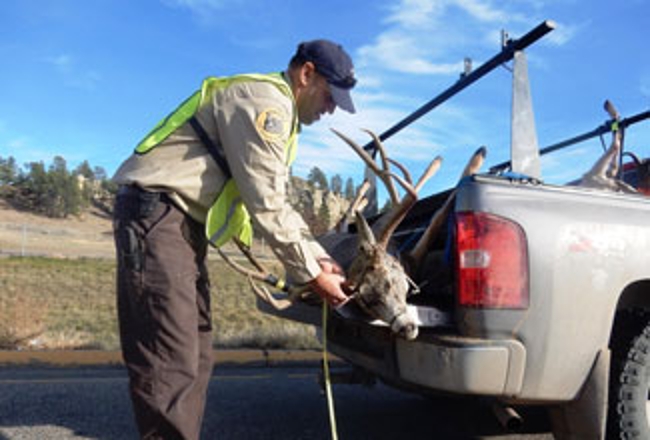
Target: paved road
244, 403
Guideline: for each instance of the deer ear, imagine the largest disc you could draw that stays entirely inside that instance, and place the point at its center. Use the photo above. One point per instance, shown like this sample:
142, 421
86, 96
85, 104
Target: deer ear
366, 236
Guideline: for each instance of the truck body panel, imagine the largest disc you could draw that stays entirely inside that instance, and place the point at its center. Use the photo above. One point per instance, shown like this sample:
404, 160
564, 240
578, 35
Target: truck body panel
585, 248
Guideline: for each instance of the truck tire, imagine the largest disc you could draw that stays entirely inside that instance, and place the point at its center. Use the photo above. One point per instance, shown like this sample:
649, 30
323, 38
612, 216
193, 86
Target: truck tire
629, 407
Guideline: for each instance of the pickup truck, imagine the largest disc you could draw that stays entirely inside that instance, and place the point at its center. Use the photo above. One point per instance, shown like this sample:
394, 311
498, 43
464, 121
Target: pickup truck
541, 296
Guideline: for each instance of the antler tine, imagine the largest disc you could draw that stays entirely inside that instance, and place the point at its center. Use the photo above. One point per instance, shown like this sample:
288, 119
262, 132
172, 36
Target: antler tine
406, 182
399, 212
263, 275
395, 217
360, 197
384, 175
247, 252
360, 151
264, 294
431, 171
357, 204
417, 253
362, 204
385, 163
259, 275
402, 168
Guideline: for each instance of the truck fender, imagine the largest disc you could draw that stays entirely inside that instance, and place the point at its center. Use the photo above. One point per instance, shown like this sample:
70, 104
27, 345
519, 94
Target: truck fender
585, 416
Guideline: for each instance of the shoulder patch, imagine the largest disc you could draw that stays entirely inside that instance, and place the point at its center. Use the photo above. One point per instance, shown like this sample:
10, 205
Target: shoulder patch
272, 124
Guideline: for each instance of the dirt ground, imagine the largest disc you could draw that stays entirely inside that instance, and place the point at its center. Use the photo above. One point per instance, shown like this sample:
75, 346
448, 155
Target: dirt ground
27, 234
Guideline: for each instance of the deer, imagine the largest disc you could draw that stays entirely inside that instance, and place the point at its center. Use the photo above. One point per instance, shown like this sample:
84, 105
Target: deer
603, 174
379, 281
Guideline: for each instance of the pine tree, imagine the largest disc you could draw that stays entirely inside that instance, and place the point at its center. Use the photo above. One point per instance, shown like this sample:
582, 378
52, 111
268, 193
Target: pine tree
317, 179
8, 171
84, 169
336, 185
349, 189
324, 217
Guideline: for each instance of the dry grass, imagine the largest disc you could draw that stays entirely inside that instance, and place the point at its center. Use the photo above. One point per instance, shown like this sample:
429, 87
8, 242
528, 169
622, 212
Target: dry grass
51, 303
62, 294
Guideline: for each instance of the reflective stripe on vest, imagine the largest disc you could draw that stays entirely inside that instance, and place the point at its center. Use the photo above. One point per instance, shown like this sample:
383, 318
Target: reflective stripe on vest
227, 217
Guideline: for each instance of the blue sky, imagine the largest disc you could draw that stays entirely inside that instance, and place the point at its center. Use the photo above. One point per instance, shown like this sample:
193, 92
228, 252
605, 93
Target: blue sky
86, 79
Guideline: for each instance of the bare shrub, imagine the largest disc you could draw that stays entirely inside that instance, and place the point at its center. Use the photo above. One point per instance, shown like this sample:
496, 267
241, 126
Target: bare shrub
22, 321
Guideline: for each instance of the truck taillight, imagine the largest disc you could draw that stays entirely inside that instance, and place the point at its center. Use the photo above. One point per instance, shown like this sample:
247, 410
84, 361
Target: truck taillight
491, 262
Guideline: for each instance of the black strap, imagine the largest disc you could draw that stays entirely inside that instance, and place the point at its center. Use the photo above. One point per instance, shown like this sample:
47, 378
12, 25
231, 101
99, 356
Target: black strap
215, 152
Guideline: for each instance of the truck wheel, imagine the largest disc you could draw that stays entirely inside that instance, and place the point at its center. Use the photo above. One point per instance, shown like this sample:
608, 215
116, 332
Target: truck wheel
629, 407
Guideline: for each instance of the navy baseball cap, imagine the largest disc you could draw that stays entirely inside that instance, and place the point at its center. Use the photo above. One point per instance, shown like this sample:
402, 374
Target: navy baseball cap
335, 65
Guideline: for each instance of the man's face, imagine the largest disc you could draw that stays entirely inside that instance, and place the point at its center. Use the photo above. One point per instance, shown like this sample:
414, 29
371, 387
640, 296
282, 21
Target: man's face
315, 99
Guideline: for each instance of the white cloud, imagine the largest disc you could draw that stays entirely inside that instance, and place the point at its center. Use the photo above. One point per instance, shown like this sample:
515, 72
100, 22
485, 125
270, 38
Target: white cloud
400, 52
72, 75
415, 13
483, 11
62, 62
565, 166
198, 5
563, 33
644, 85
205, 11
17, 143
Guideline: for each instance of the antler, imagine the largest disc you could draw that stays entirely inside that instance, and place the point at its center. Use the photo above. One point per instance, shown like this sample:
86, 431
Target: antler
400, 207
265, 276
397, 214
419, 250
385, 174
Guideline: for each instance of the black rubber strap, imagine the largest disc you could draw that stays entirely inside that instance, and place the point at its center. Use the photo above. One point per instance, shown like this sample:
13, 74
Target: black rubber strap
215, 152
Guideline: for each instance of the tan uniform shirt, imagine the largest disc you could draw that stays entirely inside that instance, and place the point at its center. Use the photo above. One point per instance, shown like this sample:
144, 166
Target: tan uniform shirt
251, 122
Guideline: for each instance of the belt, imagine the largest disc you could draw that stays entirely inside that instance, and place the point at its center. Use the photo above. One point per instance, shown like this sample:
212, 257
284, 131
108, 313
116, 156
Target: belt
134, 202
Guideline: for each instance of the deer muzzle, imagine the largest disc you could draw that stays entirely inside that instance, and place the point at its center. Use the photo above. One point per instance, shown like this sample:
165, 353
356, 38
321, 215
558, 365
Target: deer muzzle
403, 325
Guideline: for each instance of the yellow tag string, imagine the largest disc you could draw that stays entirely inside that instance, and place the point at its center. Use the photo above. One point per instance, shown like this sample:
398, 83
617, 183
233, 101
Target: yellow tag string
326, 372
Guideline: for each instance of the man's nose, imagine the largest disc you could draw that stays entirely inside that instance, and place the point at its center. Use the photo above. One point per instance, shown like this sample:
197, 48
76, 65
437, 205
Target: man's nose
331, 106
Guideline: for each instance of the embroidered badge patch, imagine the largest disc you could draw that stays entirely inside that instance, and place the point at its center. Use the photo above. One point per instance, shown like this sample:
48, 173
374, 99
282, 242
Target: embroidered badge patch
271, 124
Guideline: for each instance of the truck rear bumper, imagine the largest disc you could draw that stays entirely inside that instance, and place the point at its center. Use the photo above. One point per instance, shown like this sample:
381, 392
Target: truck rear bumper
433, 361
436, 362
463, 365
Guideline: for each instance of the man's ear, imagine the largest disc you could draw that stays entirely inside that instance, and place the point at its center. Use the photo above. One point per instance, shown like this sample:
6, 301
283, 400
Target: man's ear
307, 71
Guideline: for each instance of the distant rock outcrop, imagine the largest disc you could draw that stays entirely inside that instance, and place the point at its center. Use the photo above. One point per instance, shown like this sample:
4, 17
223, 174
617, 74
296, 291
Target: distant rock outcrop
320, 209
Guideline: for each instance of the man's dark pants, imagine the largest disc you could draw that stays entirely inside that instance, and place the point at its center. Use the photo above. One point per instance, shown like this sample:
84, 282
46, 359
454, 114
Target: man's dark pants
163, 304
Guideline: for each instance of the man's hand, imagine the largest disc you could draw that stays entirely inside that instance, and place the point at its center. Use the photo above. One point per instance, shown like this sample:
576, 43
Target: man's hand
330, 287
330, 282
329, 265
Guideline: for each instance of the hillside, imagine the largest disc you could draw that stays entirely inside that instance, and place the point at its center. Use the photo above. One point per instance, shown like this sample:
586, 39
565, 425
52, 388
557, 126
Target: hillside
90, 235
26, 233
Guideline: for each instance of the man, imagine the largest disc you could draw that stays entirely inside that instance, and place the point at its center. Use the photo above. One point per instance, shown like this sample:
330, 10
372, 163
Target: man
221, 158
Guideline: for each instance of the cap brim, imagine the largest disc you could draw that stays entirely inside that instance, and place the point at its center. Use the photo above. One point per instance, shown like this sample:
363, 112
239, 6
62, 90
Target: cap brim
342, 98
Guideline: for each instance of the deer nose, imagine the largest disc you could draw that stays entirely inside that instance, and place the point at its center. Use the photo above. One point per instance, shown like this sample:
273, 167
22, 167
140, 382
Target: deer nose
404, 326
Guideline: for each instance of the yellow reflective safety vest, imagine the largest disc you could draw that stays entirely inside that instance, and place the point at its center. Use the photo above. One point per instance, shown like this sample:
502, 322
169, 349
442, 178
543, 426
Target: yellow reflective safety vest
228, 217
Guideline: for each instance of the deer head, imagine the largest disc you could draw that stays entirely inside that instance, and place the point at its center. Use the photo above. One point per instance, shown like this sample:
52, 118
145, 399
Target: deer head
380, 280
379, 283
377, 279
